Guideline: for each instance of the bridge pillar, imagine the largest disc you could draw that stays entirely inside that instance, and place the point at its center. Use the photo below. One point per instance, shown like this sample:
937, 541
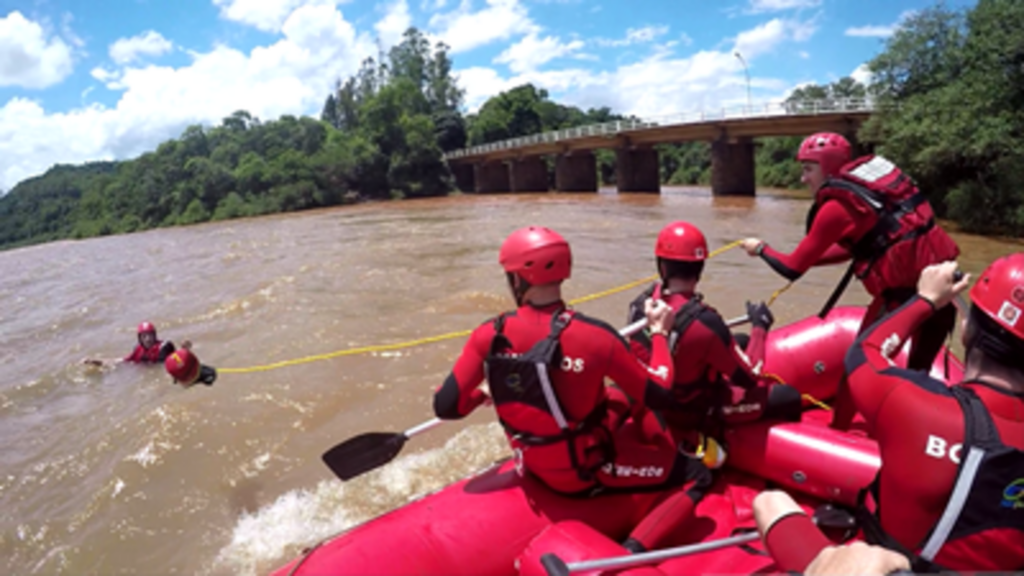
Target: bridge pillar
529, 175
732, 168
637, 170
576, 173
464, 175
491, 177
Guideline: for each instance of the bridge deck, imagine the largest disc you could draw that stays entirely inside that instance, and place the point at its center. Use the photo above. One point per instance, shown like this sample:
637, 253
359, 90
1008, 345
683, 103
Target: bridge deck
759, 120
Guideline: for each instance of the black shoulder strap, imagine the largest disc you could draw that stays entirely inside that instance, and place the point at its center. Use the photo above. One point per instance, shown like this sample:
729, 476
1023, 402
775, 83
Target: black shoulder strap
979, 429
876, 201
685, 317
500, 342
687, 314
548, 350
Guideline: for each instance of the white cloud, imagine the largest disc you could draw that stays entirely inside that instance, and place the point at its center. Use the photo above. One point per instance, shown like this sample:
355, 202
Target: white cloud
637, 36
395, 22
149, 43
655, 86
871, 31
266, 15
659, 84
463, 30
879, 31
103, 75
532, 52
765, 37
759, 6
804, 54
291, 76
862, 74
29, 57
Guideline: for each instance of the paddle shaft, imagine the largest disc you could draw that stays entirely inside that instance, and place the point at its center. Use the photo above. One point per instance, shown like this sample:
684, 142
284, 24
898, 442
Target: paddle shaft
558, 568
825, 515
642, 323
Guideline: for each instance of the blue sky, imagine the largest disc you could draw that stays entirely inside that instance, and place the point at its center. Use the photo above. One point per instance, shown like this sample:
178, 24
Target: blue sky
109, 79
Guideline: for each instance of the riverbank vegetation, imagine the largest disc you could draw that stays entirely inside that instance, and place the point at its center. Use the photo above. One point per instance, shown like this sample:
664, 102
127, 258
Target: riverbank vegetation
951, 83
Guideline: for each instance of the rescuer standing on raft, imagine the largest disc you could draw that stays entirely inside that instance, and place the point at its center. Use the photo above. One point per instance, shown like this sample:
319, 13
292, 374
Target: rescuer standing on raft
870, 212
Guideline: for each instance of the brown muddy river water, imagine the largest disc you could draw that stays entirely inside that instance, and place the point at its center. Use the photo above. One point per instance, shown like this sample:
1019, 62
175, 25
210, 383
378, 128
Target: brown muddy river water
120, 472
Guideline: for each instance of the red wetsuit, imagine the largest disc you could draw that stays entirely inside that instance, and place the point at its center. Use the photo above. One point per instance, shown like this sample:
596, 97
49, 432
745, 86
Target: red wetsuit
711, 371
919, 426
707, 360
640, 453
154, 353
837, 223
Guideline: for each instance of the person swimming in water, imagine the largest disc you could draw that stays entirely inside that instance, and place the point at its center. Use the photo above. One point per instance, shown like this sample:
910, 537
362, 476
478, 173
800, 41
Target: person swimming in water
149, 350
180, 363
186, 370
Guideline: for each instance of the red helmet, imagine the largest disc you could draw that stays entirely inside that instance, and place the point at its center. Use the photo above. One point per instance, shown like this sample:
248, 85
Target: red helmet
183, 366
147, 327
999, 293
830, 150
537, 254
681, 241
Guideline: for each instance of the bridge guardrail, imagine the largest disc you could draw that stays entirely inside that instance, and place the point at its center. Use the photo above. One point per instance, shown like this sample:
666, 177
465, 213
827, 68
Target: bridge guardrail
755, 110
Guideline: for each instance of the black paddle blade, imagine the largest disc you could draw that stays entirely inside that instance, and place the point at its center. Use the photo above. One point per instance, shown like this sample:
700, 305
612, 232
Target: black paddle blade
363, 453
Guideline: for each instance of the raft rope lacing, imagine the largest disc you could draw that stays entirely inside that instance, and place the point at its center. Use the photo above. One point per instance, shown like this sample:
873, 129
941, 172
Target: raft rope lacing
463, 333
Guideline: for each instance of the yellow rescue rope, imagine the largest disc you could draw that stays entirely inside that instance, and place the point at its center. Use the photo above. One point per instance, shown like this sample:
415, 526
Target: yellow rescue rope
461, 333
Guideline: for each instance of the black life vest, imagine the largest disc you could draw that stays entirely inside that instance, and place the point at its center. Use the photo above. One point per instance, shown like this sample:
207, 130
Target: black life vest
988, 493
526, 402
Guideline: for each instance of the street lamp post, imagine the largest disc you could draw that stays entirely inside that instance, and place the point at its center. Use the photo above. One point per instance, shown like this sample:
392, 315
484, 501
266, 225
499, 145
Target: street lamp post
745, 71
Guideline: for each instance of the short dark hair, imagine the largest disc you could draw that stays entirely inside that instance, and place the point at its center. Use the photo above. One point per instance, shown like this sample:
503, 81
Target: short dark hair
681, 269
989, 337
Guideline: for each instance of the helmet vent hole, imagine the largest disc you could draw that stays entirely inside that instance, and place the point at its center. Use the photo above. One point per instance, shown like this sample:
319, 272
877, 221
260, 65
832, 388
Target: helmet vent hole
550, 265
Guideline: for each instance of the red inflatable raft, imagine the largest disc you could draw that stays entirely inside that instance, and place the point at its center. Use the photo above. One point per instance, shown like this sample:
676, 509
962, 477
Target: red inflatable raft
499, 523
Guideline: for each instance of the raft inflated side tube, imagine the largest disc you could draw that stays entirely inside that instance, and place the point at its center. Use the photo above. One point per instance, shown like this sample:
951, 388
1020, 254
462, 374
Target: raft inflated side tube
810, 458
478, 525
808, 354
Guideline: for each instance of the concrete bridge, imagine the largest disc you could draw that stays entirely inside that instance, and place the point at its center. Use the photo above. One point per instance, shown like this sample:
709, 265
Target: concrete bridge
518, 164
